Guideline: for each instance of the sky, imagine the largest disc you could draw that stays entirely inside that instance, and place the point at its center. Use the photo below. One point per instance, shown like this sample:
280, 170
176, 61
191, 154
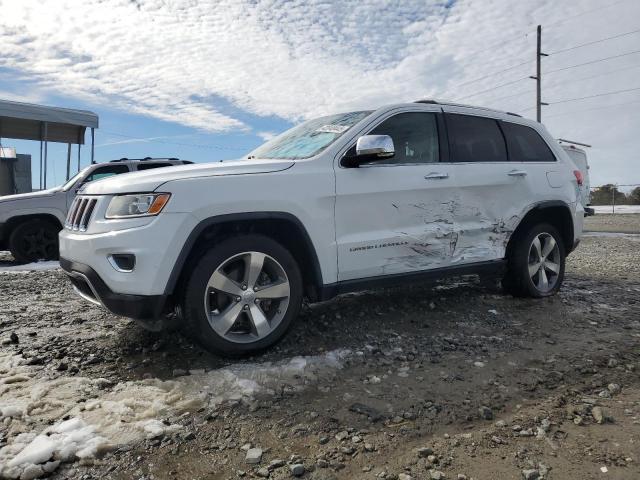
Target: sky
209, 80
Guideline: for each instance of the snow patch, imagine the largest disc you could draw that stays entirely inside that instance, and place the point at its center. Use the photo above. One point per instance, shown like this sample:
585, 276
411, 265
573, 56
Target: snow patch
126, 412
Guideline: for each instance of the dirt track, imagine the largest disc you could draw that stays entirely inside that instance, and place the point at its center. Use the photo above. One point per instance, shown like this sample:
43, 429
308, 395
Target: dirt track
459, 380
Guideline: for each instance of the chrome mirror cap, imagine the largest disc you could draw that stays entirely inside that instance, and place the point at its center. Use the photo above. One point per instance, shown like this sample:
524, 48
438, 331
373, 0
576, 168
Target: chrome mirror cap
378, 145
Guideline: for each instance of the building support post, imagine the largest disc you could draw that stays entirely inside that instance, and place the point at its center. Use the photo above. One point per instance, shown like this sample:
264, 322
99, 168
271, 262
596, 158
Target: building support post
93, 141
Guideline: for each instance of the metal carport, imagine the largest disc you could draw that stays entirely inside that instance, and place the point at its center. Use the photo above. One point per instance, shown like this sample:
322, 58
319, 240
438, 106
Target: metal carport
26, 121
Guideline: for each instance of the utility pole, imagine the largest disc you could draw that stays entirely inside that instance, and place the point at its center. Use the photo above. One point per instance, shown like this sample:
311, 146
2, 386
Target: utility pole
538, 77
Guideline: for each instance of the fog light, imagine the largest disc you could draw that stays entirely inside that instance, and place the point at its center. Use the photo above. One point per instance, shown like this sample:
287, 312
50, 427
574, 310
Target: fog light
123, 262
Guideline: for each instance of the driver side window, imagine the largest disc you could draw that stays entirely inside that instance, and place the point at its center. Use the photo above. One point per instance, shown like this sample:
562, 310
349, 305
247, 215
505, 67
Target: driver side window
415, 138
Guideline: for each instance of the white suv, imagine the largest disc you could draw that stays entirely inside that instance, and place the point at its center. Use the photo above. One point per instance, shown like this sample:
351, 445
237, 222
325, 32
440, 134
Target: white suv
341, 203
30, 222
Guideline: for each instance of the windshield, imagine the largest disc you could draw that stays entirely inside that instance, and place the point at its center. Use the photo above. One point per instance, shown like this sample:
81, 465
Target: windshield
310, 138
74, 179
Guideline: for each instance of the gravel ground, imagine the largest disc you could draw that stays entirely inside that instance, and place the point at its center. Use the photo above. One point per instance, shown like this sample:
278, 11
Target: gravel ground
450, 381
623, 223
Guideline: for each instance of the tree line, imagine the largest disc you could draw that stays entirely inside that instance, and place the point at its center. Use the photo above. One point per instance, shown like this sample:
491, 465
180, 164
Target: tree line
608, 194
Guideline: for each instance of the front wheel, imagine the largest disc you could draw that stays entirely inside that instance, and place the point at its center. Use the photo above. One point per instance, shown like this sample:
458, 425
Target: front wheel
242, 295
536, 263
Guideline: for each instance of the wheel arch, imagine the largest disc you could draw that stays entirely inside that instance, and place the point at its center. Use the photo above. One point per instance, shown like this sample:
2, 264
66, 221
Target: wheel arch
13, 222
283, 227
554, 212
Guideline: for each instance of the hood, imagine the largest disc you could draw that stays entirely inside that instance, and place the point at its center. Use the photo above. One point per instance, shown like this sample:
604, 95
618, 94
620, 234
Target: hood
150, 180
27, 196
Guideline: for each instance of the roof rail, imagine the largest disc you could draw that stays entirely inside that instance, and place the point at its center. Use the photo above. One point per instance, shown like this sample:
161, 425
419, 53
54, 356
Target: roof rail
145, 159
431, 101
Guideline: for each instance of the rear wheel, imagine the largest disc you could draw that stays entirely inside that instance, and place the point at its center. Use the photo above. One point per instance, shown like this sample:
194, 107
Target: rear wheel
242, 295
34, 240
536, 264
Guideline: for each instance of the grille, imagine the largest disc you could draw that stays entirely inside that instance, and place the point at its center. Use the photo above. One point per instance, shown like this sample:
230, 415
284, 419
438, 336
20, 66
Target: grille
80, 213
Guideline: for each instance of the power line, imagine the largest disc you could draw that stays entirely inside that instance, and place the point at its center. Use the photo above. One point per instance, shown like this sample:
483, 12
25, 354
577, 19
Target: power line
604, 74
491, 74
195, 145
566, 19
594, 96
594, 108
593, 61
594, 42
567, 100
493, 88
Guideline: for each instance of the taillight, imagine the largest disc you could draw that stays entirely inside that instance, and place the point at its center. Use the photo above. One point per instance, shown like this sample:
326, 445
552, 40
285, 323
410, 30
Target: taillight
579, 177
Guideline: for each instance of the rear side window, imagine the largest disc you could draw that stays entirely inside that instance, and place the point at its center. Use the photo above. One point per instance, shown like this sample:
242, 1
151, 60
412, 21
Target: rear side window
415, 137
106, 171
525, 144
475, 139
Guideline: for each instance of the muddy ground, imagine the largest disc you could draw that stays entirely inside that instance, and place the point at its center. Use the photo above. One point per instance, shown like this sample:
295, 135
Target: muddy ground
450, 381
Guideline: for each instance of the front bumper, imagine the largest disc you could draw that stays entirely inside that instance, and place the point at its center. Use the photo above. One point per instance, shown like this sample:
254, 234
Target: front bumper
88, 284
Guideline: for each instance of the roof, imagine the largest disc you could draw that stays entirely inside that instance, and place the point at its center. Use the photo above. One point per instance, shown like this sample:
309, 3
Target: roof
26, 121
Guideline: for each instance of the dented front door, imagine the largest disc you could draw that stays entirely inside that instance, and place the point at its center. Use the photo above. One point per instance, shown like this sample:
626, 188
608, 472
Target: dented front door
396, 216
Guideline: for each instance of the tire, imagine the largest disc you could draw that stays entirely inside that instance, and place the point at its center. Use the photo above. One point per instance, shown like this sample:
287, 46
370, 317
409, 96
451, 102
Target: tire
527, 270
230, 320
34, 240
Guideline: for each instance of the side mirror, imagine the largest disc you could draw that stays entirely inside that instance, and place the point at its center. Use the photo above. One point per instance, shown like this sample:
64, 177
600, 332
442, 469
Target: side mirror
370, 148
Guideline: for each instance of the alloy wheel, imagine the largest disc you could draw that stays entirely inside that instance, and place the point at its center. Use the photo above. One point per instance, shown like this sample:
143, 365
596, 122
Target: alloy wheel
247, 297
544, 262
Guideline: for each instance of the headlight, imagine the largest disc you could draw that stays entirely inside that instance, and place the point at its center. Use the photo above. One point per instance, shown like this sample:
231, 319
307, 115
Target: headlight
138, 205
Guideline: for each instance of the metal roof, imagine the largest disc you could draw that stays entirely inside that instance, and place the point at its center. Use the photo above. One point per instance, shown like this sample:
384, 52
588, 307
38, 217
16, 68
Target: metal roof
26, 121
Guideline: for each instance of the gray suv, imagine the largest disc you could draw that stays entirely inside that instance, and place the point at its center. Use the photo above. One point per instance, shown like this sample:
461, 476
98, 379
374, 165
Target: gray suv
30, 222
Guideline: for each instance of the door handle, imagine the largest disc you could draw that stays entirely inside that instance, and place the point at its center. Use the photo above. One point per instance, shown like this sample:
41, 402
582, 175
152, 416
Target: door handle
436, 176
517, 173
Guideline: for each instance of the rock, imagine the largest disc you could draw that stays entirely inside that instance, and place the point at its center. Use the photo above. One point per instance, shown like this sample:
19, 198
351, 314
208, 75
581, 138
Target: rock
342, 435
246, 447
436, 475
323, 440
322, 463
179, 372
297, 470
356, 439
612, 363
598, 415
461, 476
254, 455
531, 474
404, 476
578, 420
543, 469
373, 414
263, 472
485, 413
424, 452
501, 424
277, 463
614, 388
14, 338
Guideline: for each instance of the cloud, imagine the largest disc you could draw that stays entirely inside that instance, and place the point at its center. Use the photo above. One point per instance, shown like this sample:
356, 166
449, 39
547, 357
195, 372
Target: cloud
266, 136
189, 61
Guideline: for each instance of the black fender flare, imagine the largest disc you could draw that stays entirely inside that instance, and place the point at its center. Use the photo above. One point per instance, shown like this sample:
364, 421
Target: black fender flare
241, 217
